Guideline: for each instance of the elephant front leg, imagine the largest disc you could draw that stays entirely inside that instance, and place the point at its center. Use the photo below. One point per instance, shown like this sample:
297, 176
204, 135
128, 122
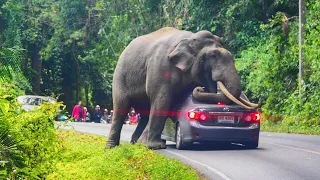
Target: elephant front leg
158, 116
154, 131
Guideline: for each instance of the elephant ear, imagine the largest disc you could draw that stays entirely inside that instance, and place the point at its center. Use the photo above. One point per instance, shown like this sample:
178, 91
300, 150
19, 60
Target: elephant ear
182, 55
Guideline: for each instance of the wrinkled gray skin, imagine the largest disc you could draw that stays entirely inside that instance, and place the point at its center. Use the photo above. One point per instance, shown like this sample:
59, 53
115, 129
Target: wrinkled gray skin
155, 68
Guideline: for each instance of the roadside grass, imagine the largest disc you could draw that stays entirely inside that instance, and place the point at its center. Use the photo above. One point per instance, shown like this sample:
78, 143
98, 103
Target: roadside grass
292, 125
83, 157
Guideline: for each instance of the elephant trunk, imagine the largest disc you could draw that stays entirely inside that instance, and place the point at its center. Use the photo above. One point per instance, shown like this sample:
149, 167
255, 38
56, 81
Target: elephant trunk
199, 94
212, 86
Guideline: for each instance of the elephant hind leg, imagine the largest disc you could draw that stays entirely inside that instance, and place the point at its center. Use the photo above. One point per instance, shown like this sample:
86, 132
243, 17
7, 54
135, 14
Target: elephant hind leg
142, 106
141, 126
120, 111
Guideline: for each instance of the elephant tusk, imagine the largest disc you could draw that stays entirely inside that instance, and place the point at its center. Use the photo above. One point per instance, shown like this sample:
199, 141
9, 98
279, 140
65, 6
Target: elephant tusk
231, 97
248, 103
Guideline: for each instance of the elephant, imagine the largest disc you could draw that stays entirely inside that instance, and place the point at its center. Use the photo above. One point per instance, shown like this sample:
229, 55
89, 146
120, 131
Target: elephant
154, 68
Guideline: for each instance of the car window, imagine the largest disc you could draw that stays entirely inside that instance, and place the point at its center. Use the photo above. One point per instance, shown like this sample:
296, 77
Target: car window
33, 101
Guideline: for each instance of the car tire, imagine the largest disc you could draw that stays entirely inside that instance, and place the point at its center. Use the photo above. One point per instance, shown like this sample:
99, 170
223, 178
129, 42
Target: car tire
180, 143
251, 145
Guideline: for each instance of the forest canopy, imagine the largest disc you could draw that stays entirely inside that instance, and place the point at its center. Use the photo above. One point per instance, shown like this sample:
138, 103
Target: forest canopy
69, 48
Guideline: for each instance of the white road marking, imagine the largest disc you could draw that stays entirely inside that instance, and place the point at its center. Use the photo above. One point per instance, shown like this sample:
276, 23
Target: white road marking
223, 176
295, 148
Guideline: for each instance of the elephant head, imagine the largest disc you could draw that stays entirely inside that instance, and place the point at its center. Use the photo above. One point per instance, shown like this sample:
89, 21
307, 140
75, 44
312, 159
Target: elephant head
210, 65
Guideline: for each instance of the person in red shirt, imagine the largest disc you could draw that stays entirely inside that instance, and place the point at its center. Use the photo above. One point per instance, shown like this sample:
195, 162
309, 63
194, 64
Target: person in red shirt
134, 118
79, 113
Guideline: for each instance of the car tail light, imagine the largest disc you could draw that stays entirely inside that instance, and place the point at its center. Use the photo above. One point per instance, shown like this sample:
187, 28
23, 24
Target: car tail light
197, 115
253, 117
220, 103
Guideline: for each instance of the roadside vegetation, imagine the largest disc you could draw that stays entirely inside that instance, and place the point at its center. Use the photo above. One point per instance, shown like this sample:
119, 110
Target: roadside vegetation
292, 125
28, 141
31, 147
83, 157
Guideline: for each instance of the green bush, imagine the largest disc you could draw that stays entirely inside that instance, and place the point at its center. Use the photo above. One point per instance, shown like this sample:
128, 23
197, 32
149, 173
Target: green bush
29, 138
83, 157
37, 139
9, 154
293, 124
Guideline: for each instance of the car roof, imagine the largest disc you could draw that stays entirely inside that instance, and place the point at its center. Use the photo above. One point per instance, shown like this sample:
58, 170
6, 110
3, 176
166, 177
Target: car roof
46, 98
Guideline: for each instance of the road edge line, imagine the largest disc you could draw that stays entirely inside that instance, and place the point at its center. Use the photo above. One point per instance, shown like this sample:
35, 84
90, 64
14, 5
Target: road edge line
223, 176
291, 147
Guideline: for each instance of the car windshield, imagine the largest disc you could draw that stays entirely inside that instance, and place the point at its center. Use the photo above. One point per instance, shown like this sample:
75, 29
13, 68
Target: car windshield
31, 100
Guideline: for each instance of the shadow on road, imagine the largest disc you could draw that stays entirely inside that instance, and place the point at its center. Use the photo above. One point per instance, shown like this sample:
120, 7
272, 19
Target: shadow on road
217, 147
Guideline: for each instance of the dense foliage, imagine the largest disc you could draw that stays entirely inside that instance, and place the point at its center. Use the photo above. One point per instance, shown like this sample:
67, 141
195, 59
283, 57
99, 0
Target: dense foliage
28, 140
83, 157
70, 48
270, 67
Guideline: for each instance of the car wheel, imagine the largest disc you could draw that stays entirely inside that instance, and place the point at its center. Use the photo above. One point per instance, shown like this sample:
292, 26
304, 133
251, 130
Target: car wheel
251, 145
180, 144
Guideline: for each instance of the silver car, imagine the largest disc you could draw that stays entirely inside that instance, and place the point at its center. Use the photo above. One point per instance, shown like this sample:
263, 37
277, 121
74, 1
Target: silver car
194, 121
31, 102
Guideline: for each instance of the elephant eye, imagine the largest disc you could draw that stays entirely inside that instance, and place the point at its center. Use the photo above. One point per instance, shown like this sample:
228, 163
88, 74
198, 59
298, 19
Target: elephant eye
213, 56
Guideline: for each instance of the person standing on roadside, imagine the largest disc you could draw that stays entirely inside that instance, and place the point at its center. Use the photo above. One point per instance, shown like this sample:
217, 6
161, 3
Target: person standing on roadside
110, 117
78, 112
104, 117
88, 118
97, 114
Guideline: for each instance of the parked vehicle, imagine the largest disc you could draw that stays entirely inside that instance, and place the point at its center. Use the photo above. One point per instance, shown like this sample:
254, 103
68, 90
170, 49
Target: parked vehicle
30, 102
194, 121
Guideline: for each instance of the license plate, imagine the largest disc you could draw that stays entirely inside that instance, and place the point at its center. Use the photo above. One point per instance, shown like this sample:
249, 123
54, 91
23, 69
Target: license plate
226, 119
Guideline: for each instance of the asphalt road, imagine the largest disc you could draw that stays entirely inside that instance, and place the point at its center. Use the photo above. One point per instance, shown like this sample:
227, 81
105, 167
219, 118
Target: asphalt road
279, 156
